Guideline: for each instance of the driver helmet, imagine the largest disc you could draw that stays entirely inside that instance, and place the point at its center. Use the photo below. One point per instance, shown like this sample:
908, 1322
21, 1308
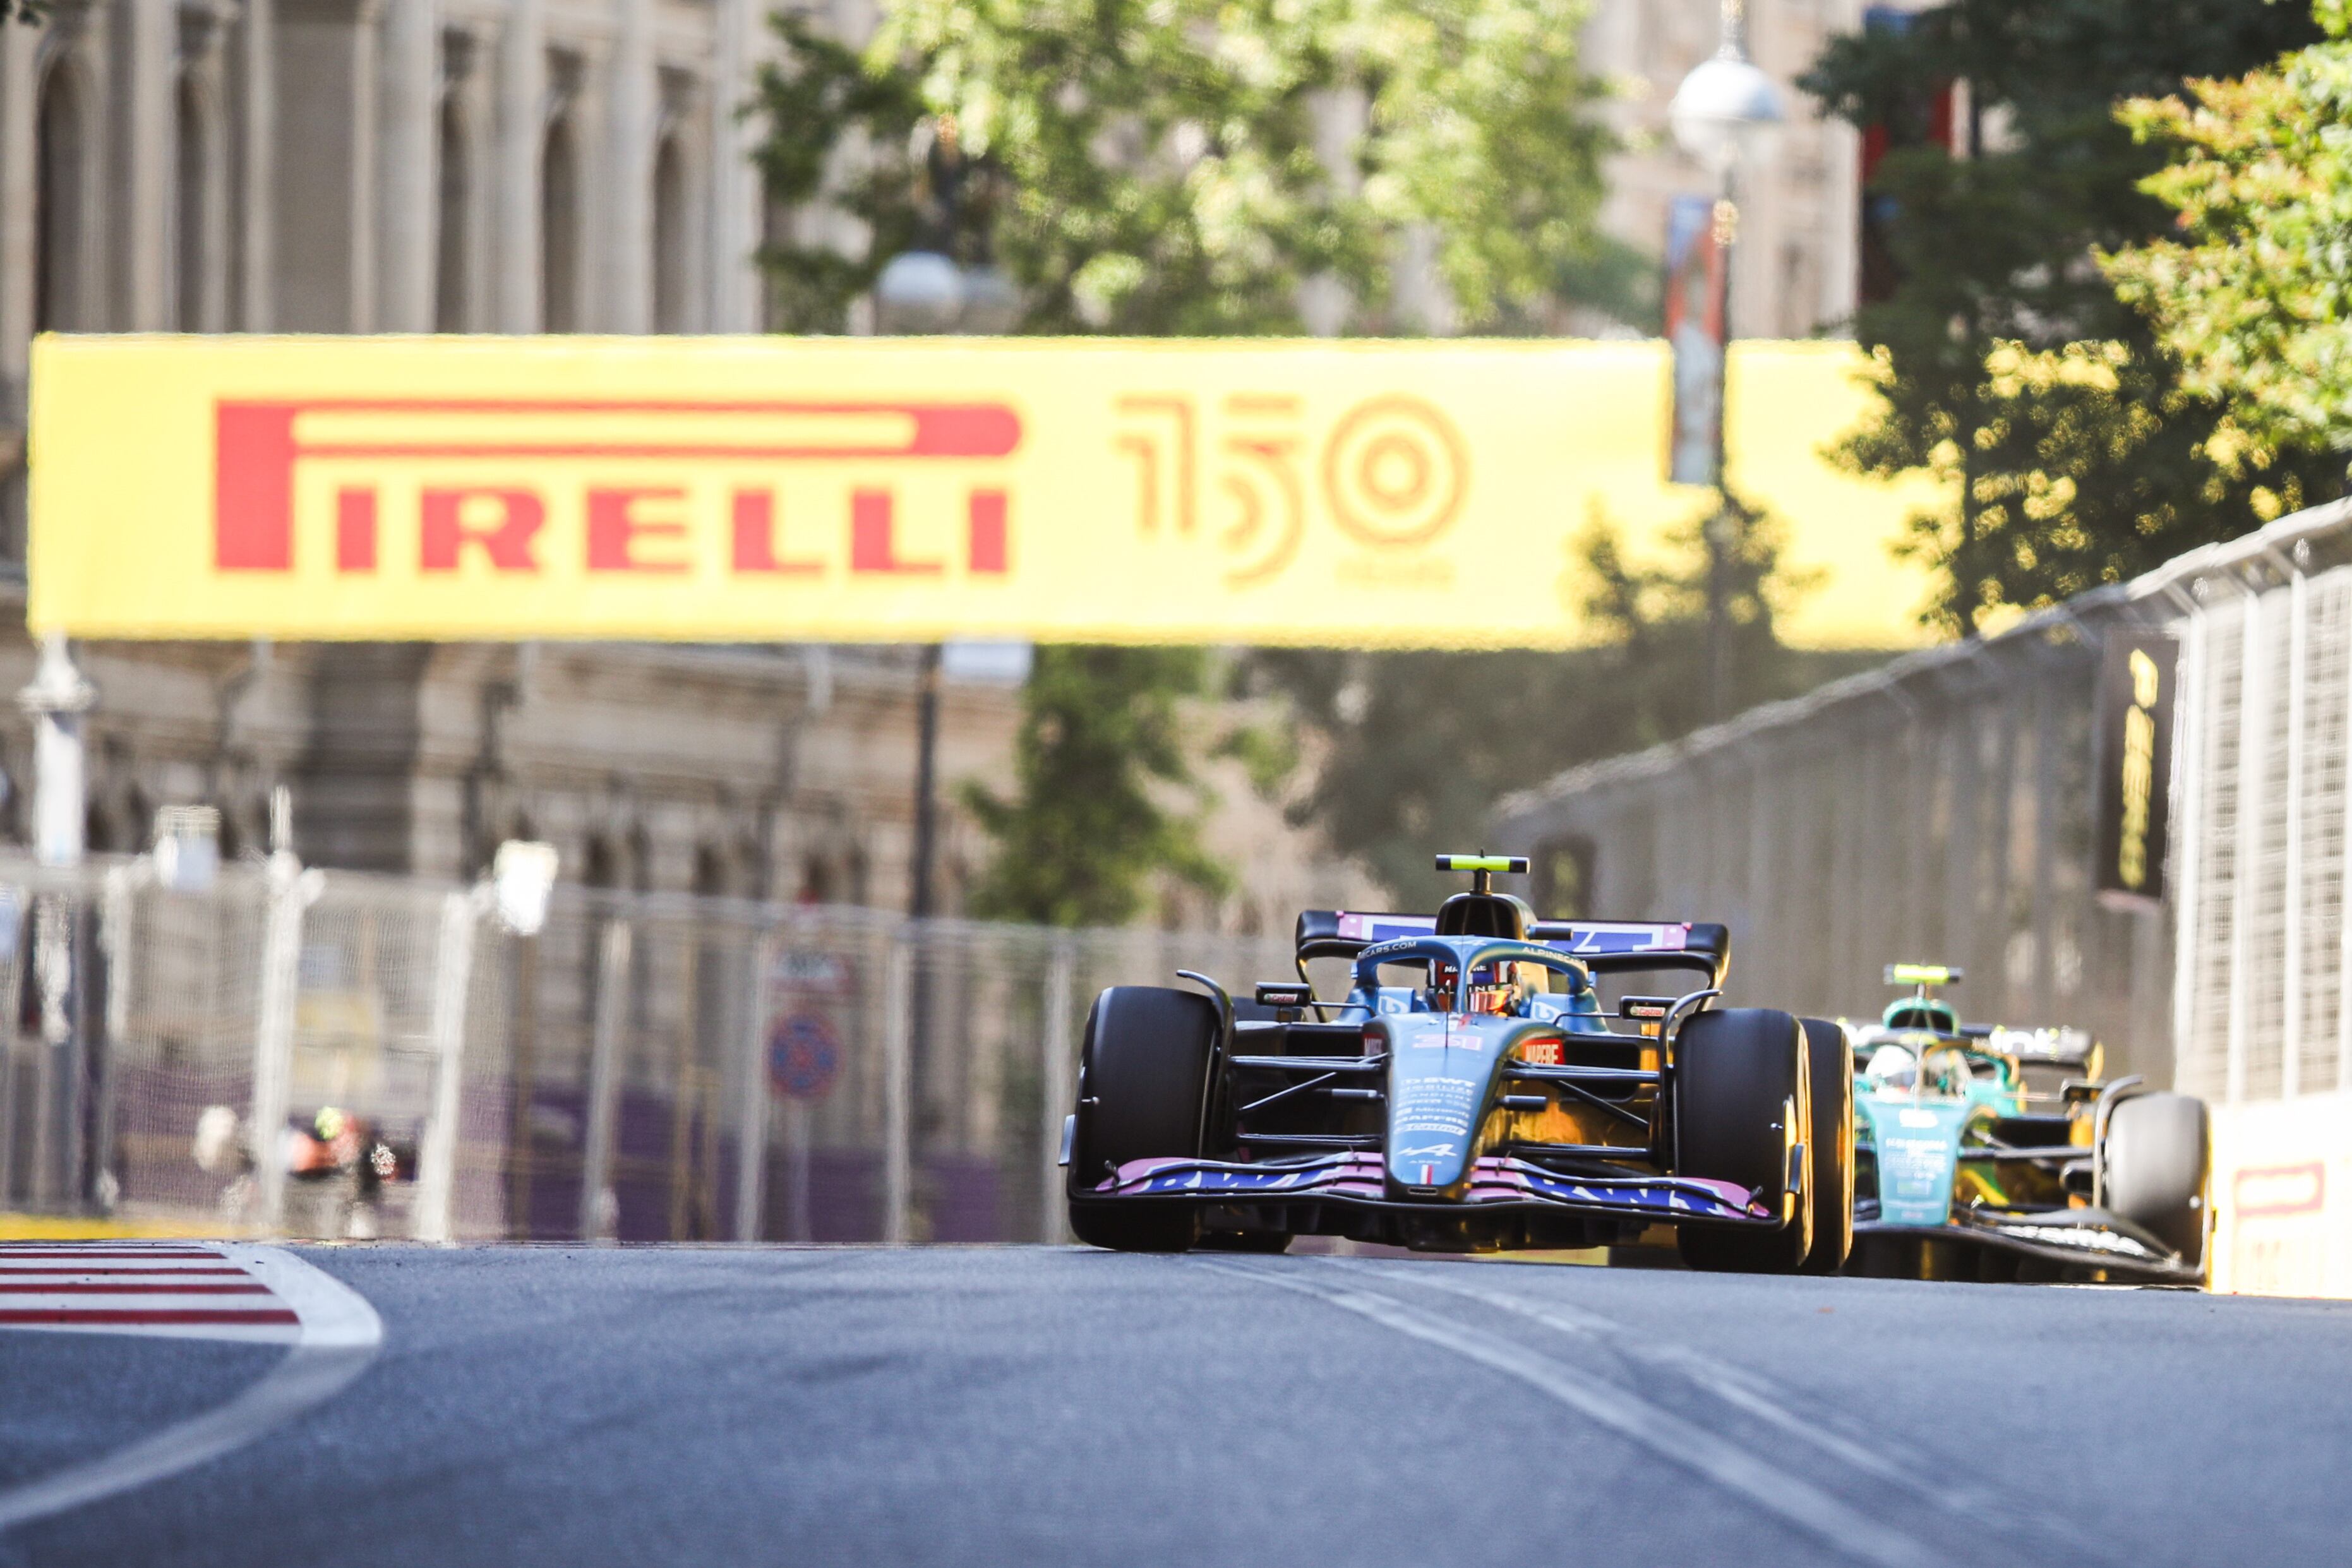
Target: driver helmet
1494, 988
1892, 1067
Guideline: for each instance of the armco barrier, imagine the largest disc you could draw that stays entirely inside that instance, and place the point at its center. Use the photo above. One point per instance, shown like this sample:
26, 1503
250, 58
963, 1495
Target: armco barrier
642, 1068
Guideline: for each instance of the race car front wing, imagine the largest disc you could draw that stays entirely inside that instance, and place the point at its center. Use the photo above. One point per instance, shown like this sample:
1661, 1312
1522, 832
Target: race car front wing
1355, 1179
2089, 1242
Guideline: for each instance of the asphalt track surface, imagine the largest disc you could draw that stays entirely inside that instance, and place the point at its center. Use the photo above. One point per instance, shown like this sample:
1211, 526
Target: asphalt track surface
1056, 1405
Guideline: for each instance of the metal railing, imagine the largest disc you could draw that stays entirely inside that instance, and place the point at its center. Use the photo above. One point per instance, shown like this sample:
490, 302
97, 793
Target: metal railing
644, 1067
1939, 808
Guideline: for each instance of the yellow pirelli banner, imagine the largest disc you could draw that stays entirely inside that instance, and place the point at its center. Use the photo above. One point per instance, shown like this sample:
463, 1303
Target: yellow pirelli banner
1372, 494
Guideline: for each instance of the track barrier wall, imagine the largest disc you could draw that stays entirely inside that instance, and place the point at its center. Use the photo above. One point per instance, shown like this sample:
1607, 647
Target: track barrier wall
1941, 809
644, 1067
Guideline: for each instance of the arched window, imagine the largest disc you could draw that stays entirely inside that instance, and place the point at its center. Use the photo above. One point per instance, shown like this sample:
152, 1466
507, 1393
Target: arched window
559, 231
450, 277
58, 302
193, 242
672, 237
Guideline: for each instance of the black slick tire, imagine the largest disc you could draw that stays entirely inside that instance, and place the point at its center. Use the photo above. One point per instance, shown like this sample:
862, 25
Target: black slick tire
2159, 1167
1143, 1094
1829, 1057
1739, 1075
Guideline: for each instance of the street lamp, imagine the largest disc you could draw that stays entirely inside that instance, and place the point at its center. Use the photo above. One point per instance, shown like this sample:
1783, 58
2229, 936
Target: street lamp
1728, 115
921, 293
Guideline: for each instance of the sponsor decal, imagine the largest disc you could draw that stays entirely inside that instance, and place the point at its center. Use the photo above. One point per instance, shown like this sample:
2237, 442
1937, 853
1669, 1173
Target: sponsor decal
2280, 1190
2132, 809
1543, 1052
1916, 1118
1623, 936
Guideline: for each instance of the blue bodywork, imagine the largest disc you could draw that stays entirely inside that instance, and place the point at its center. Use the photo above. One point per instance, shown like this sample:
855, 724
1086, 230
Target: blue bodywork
1448, 1054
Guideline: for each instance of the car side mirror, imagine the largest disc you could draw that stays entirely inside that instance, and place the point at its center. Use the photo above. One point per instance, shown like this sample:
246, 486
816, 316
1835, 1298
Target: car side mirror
1288, 997
1646, 1009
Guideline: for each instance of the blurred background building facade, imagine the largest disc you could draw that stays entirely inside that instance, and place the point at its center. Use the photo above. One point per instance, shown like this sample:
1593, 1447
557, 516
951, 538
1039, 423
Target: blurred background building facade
527, 166
1797, 270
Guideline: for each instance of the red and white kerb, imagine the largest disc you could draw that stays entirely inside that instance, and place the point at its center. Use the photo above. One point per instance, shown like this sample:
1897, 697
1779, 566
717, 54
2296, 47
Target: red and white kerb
180, 1289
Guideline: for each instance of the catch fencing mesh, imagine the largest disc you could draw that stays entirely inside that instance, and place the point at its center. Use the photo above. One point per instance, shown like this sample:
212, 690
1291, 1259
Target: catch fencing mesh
641, 1068
1937, 812
2262, 819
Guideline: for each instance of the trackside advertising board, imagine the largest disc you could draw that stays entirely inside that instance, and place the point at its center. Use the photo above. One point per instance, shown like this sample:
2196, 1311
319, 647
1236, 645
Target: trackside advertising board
845, 489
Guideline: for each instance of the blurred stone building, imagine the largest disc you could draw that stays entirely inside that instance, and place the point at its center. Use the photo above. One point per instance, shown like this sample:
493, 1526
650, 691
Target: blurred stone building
1797, 270
579, 166
462, 166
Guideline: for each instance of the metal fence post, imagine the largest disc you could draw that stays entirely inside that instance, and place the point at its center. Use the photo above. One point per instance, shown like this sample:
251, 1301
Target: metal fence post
2253, 702
751, 1112
2188, 785
599, 1203
897, 1092
436, 1159
1060, 978
114, 942
56, 1110
2291, 1014
291, 892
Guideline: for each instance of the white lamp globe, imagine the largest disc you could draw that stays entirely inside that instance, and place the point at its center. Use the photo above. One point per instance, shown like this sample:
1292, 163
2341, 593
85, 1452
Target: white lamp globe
920, 291
1728, 115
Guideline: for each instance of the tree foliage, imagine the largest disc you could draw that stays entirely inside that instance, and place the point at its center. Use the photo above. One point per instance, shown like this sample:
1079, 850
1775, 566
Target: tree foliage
2255, 295
1101, 747
1169, 167
2011, 369
1421, 744
1181, 167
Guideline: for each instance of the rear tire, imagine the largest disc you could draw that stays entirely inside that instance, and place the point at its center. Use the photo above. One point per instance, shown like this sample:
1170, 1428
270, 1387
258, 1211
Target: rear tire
1828, 1056
1740, 1076
2159, 1166
1143, 1093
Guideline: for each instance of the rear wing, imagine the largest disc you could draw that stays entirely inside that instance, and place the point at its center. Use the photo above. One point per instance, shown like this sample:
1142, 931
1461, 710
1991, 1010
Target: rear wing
1604, 945
2072, 1049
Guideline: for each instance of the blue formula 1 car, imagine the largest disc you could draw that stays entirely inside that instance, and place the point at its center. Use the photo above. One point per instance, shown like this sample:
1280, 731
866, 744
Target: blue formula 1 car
1466, 1094
1966, 1168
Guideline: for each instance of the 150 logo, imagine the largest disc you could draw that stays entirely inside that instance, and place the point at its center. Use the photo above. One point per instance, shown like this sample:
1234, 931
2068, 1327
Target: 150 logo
1389, 474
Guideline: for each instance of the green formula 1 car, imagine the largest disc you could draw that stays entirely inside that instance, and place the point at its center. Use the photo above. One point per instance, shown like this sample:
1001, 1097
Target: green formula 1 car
1984, 1152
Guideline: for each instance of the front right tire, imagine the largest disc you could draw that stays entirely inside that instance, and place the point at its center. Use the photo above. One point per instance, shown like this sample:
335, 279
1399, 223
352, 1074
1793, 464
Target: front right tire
1143, 1094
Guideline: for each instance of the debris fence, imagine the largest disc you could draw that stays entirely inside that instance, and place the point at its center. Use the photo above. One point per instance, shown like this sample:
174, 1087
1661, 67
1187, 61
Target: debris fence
641, 1068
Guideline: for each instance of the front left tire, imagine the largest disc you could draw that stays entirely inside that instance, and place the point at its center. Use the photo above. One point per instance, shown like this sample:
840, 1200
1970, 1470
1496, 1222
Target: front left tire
2159, 1170
1828, 1056
1741, 1075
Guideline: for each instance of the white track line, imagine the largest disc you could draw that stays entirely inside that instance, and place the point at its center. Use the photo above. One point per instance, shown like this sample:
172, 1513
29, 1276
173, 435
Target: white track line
1889, 1463
1786, 1496
338, 1334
